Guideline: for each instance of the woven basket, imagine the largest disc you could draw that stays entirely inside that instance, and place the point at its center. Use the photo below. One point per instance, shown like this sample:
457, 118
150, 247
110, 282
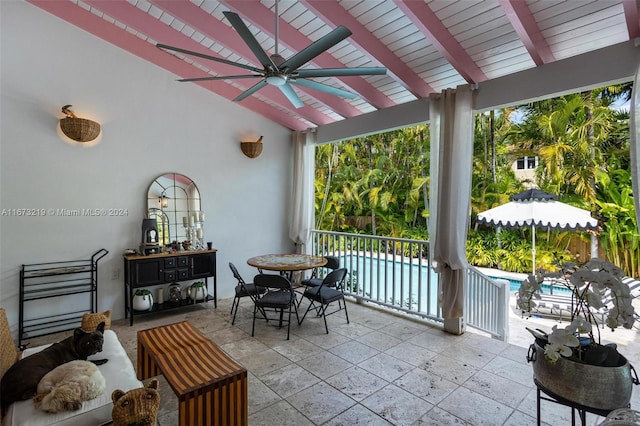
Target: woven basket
91, 321
251, 149
9, 354
80, 129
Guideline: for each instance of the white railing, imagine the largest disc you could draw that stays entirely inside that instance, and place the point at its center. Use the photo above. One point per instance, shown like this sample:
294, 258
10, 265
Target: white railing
486, 304
392, 272
396, 273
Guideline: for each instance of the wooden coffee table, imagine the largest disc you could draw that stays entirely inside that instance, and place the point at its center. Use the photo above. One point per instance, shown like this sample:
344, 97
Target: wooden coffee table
211, 388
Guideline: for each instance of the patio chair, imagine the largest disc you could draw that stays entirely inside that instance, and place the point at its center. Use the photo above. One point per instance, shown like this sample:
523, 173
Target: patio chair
242, 290
634, 286
634, 289
607, 300
329, 291
555, 306
278, 295
315, 280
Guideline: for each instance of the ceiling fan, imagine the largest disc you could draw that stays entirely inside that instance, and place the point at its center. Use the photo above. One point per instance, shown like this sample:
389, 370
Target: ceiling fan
281, 72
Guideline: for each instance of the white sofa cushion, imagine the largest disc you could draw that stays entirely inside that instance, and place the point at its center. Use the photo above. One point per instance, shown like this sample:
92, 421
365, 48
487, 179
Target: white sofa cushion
119, 373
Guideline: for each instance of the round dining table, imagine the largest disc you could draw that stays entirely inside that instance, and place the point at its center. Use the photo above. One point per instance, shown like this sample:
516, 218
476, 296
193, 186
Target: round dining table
287, 263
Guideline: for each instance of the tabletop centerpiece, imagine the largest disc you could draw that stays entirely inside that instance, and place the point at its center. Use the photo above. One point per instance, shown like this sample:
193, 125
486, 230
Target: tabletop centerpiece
571, 361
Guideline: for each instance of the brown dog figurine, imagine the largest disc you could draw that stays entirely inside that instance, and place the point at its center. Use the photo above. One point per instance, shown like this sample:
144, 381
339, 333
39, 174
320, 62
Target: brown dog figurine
138, 407
20, 382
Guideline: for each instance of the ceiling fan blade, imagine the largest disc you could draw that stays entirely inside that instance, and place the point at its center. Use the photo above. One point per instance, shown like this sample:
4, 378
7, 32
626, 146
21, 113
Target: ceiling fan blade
220, 77
239, 25
340, 72
288, 91
315, 48
324, 88
250, 91
212, 58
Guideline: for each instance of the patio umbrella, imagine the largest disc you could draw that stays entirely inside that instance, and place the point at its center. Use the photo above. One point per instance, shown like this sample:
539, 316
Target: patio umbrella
538, 209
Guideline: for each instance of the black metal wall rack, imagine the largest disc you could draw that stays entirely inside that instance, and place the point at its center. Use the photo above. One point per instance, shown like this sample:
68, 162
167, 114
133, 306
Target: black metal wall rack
47, 283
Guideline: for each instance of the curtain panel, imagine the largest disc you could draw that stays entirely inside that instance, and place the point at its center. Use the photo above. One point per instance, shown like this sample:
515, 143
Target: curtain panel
451, 120
634, 141
302, 198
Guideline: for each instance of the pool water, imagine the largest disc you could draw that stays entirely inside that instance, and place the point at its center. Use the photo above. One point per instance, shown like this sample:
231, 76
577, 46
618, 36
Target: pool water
514, 285
405, 284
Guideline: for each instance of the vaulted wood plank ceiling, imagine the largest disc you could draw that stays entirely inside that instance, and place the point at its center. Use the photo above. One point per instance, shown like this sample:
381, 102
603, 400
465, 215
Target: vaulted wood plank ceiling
426, 46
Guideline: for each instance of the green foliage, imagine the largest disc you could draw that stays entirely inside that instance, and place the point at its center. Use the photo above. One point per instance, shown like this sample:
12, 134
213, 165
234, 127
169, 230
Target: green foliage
379, 184
382, 178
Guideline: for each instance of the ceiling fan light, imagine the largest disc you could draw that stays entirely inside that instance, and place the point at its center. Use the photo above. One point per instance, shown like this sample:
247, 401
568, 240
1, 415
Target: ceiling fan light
276, 80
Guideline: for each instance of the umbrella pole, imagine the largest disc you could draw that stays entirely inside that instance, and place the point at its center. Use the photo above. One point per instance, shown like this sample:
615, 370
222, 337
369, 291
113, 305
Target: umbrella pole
533, 249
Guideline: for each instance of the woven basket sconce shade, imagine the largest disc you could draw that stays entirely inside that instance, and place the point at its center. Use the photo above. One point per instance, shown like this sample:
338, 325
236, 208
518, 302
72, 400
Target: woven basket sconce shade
78, 129
252, 149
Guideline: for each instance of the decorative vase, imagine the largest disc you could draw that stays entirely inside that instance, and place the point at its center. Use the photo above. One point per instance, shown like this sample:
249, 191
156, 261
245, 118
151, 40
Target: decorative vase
142, 300
198, 291
175, 294
604, 388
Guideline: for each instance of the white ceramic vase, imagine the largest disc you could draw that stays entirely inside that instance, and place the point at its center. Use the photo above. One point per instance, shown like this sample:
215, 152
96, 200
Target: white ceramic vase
142, 302
198, 292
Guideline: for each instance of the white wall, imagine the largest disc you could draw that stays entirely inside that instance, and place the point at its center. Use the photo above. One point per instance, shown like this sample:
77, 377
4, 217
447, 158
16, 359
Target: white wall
151, 125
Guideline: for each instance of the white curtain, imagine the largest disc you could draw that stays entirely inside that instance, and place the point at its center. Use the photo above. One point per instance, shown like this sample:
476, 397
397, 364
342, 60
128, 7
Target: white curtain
634, 139
302, 199
451, 122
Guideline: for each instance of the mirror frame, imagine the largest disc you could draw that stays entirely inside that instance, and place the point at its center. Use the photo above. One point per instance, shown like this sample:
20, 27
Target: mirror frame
180, 202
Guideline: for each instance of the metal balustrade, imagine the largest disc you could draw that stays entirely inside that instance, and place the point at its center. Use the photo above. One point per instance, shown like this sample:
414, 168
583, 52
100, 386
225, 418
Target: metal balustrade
396, 273
486, 303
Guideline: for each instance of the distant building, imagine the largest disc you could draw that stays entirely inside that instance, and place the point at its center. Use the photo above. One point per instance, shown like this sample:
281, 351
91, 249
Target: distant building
525, 170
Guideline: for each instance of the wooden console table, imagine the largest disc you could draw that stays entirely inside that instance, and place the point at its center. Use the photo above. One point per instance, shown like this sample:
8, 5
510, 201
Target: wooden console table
211, 388
167, 268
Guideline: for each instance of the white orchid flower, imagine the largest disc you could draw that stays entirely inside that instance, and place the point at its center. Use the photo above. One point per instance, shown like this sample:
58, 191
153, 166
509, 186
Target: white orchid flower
582, 277
564, 336
553, 352
612, 322
581, 325
593, 299
596, 282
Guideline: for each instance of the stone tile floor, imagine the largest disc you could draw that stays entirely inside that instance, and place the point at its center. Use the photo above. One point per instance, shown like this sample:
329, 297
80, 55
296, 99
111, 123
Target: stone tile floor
380, 369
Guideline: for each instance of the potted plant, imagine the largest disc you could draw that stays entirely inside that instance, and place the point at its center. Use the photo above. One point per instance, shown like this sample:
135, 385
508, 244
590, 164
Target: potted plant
142, 300
198, 290
571, 362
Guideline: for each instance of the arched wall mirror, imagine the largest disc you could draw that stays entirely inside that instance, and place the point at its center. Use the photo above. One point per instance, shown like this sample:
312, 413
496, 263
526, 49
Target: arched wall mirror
173, 199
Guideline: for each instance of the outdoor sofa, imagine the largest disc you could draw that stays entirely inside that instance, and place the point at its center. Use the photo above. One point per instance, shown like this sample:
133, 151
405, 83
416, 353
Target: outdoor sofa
118, 372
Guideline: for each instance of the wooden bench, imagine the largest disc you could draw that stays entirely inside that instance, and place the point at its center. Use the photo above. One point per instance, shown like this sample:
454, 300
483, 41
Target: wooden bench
211, 388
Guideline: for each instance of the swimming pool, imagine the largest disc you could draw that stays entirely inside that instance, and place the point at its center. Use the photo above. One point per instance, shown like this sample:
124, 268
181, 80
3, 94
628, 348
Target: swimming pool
514, 285
407, 282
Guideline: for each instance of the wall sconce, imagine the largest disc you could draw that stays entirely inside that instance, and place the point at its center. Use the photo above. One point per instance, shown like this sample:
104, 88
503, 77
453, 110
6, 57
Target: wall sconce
252, 149
78, 129
163, 200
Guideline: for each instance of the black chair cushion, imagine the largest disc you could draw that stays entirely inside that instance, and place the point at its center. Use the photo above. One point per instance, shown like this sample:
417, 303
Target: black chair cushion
312, 282
249, 289
276, 299
326, 294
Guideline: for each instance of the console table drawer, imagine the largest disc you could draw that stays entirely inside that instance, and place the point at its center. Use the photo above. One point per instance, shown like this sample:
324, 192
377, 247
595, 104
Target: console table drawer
170, 276
183, 274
